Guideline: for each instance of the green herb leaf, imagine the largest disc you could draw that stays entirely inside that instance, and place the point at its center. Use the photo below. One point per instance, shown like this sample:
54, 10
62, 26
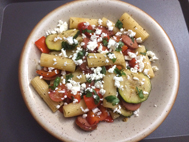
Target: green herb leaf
87, 31
76, 35
143, 53
119, 24
119, 46
67, 46
96, 97
119, 72
114, 59
128, 67
56, 83
105, 41
133, 40
89, 94
69, 76
112, 99
103, 71
80, 55
89, 80
139, 93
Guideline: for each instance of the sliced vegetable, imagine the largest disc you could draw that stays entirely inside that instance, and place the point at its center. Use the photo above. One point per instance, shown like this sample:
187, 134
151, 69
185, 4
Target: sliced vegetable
130, 82
85, 28
58, 94
47, 73
41, 45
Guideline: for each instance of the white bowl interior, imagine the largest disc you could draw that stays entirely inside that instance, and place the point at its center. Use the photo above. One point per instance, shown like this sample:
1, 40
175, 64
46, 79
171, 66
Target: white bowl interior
164, 85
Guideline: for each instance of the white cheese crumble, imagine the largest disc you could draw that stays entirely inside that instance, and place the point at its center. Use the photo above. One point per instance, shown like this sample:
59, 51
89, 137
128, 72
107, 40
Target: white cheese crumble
111, 70
99, 21
151, 56
91, 45
73, 86
139, 40
84, 115
136, 113
130, 33
84, 110
109, 25
155, 68
117, 82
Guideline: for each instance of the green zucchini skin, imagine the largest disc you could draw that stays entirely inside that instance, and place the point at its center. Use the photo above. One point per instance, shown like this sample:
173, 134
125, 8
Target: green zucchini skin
130, 82
57, 45
126, 113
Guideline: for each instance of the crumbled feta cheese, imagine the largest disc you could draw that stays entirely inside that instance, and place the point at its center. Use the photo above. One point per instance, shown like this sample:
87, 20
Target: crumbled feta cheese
117, 109
130, 33
132, 55
112, 44
95, 110
58, 106
146, 72
99, 21
139, 40
98, 31
63, 53
118, 34
84, 115
136, 113
57, 38
98, 84
155, 68
135, 78
117, 82
84, 110
109, 25
75, 101
86, 23
111, 70
151, 55
79, 76
102, 91
92, 45
73, 86
146, 93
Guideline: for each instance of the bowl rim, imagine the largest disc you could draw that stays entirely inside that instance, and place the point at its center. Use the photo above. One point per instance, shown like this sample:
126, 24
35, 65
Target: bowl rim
20, 67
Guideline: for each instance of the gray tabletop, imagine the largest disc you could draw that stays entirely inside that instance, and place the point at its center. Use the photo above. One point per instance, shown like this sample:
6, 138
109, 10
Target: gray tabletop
16, 22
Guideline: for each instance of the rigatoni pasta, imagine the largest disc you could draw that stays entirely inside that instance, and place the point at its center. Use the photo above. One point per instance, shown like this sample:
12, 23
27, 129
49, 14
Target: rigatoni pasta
96, 70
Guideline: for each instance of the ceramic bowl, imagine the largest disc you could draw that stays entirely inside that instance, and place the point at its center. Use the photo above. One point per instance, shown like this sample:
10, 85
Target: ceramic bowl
164, 85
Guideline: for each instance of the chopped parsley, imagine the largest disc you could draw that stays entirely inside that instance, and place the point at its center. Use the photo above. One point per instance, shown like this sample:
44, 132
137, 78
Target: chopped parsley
76, 35
88, 94
105, 41
87, 31
56, 83
119, 46
139, 93
69, 76
119, 24
133, 40
143, 53
80, 55
89, 80
103, 71
112, 99
119, 72
113, 59
67, 46
96, 97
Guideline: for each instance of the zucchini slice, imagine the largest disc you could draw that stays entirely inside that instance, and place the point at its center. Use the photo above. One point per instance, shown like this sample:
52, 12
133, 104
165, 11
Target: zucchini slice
133, 82
126, 113
57, 45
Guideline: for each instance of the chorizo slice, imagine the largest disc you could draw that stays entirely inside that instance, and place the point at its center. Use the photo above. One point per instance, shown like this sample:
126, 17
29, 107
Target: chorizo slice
84, 125
130, 106
128, 41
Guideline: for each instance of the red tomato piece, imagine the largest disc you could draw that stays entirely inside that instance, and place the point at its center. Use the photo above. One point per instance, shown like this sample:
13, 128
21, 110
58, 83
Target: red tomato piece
132, 62
82, 27
92, 118
56, 95
48, 74
124, 48
89, 101
128, 50
41, 45
71, 96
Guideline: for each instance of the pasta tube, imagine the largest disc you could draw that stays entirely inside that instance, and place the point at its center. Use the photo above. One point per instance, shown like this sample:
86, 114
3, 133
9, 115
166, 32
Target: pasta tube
110, 89
74, 21
130, 23
42, 89
98, 60
148, 67
74, 109
57, 62
78, 76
